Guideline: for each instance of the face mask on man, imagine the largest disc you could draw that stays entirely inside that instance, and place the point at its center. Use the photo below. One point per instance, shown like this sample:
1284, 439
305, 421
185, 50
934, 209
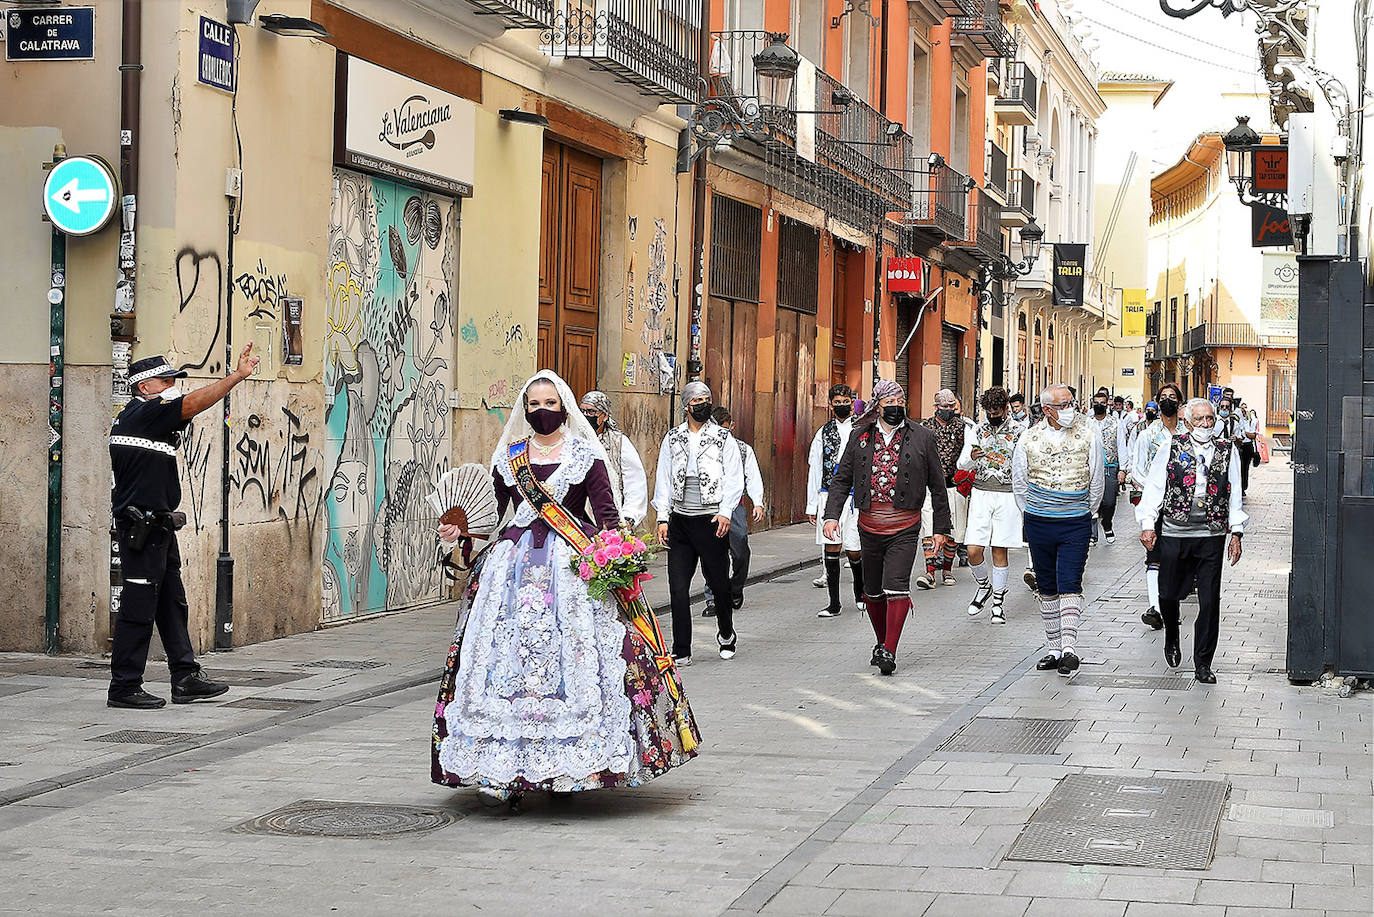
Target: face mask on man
945, 414
700, 412
995, 420
1151, 415
842, 411
1099, 409
1020, 414
544, 420
1203, 435
170, 394
894, 414
1168, 407
1066, 417
1223, 413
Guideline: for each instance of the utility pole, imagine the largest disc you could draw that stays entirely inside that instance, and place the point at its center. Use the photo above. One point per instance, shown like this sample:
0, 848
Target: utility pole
57, 341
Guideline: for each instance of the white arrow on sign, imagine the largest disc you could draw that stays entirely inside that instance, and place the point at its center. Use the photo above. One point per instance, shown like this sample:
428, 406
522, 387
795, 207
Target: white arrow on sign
72, 197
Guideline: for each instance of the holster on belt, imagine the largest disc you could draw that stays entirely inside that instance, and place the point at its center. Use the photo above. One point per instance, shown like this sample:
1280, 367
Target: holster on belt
142, 523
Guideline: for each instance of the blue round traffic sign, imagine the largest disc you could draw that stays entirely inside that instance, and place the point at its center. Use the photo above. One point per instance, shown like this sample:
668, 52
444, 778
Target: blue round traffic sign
80, 195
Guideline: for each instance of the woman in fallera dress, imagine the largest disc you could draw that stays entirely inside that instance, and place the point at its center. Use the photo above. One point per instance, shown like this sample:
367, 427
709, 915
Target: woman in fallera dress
547, 688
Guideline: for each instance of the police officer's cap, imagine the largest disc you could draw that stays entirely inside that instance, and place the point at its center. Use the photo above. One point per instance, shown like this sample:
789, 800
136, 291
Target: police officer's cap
151, 368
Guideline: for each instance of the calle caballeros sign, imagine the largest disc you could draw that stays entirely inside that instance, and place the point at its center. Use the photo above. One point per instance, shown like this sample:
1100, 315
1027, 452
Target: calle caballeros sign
403, 129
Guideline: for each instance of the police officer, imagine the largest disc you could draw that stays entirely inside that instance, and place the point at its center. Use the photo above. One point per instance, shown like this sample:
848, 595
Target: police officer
147, 489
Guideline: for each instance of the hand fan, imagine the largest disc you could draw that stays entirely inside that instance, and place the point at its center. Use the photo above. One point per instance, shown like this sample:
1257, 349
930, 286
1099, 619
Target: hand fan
464, 496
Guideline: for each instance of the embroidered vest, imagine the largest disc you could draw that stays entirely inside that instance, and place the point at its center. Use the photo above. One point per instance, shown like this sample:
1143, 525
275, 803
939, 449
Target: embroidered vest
993, 470
830, 452
710, 461
1109, 427
883, 484
1182, 506
1059, 475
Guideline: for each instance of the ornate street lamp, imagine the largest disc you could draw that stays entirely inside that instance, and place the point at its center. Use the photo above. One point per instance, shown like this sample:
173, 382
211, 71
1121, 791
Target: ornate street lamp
1243, 148
1240, 142
776, 66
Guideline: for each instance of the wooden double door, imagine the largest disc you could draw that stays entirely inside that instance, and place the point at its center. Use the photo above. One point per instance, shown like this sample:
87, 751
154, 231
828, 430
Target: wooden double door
794, 418
570, 265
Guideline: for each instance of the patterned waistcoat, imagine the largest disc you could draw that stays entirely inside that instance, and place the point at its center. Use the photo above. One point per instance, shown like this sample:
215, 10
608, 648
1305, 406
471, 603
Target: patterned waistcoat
710, 461
1181, 506
883, 485
993, 470
830, 451
1061, 467
1109, 426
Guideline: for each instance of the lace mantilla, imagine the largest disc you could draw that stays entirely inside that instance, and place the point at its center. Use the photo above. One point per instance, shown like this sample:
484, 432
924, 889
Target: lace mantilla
574, 462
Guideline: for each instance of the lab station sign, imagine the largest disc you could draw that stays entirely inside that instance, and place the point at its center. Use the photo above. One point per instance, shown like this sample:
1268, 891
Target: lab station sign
403, 129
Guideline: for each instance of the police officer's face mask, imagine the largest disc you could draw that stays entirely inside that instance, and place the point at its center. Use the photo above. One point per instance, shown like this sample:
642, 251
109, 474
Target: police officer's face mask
171, 393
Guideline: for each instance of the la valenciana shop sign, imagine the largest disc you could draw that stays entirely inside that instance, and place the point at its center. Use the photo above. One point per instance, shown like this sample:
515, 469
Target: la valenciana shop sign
401, 128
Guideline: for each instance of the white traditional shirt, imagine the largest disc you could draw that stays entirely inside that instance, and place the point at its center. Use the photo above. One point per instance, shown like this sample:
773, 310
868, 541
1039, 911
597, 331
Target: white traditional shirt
815, 503
1156, 479
753, 477
633, 486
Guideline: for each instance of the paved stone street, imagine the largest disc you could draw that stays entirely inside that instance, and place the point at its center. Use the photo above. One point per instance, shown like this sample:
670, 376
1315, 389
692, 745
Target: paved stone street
821, 788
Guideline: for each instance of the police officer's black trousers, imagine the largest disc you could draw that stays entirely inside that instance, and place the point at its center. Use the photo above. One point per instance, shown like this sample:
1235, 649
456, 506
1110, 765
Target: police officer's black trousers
153, 594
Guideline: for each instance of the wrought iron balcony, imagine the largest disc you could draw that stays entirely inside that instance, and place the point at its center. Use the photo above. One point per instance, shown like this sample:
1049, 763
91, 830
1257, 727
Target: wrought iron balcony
940, 203
983, 29
955, 7
1016, 105
854, 137
1220, 334
983, 230
518, 14
1020, 206
995, 170
651, 44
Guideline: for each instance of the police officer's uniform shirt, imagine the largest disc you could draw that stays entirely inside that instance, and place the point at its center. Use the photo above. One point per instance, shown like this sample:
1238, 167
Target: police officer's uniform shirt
143, 453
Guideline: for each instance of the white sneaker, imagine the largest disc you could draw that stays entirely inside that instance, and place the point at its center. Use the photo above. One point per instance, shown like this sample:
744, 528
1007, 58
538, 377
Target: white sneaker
682, 661
980, 598
819, 582
998, 614
1111, 538
727, 647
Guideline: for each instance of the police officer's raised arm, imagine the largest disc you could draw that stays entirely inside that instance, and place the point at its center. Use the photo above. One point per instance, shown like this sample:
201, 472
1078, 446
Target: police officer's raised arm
192, 403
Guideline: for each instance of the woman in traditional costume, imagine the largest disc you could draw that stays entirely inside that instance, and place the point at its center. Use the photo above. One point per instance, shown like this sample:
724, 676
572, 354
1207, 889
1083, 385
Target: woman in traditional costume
547, 688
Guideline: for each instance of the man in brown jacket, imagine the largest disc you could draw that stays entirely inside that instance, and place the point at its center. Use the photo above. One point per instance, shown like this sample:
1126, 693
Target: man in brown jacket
890, 462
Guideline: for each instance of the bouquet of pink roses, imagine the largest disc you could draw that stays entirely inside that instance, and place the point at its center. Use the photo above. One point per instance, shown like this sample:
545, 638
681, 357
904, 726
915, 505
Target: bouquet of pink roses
615, 564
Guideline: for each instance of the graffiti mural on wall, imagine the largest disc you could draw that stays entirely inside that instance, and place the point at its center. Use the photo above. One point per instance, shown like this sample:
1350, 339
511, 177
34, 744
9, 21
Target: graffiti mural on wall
388, 366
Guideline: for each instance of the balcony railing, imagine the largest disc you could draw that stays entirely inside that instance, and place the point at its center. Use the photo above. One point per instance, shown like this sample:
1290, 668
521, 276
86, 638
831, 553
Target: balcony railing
1017, 101
984, 225
853, 137
984, 30
651, 44
955, 7
995, 169
1220, 334
518, 14
940, 203
1021, 193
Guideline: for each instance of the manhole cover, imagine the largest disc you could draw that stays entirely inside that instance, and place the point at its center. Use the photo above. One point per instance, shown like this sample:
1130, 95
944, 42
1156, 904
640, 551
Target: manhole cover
1010, 735
314, 818
145, 737
1147, 682
343, 664
1125, 821
269, 703
11, 690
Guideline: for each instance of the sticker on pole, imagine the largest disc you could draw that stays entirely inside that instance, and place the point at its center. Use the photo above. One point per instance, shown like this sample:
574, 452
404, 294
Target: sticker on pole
80, 195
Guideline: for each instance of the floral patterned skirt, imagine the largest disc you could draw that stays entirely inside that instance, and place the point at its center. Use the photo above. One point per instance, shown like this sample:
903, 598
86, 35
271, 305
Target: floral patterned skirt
546, 688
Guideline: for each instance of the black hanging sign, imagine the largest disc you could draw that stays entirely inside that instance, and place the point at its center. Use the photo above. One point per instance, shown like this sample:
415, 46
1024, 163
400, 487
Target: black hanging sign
1269, 226
1070, 261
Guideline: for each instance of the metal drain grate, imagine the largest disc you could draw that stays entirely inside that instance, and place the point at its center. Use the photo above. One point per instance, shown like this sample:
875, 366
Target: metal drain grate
1146, 682
145, 737
315, 818
1125, 821
1278, 815
358, 664
269, 703
1010, 735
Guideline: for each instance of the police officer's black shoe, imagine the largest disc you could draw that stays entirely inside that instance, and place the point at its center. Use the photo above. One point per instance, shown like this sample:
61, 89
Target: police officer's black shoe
196, 687
136, 700
1153, 618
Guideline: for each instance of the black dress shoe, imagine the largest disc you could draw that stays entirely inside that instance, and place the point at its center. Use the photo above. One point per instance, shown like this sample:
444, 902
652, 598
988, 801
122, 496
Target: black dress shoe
877, 654
709, 611
1068, 664
1204, 675
1153, 618
1172, 655
887, 662
737, 602
196, 687
1048, 663
136, 700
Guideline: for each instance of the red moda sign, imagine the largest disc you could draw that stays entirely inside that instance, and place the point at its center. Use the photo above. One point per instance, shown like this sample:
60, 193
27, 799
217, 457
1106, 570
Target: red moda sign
904, 275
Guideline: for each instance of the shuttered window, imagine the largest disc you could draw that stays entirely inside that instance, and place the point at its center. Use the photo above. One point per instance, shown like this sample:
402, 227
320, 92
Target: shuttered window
736, 243
949, 358
799, 261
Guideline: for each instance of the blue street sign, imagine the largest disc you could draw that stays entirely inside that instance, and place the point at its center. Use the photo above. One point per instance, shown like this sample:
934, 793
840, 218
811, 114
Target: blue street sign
216, 55
1214, 394
55, 33
80, 195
